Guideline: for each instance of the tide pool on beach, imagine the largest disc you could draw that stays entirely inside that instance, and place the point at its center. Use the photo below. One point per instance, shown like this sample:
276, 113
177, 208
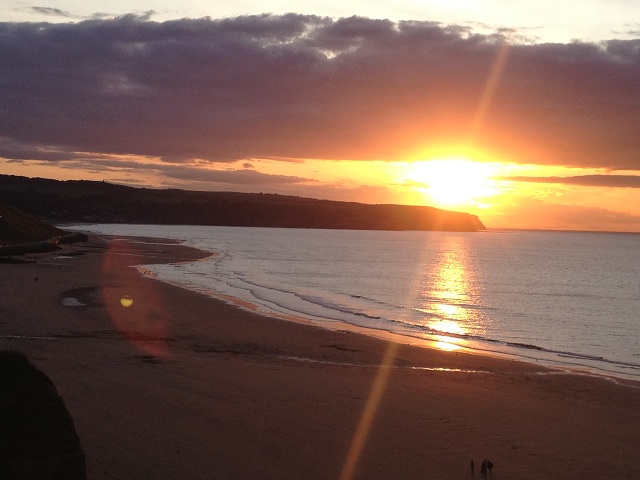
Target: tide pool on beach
568, 299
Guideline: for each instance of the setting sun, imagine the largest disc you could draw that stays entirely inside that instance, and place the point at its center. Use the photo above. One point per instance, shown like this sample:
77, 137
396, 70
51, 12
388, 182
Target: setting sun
453, 182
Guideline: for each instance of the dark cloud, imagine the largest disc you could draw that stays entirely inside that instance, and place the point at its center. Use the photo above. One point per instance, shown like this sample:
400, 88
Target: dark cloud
184, 172
233, 177
622, 181
296, 86
55, 12
15, 150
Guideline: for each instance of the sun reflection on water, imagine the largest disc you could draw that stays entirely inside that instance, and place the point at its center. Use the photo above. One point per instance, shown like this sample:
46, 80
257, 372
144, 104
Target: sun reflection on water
447, 344
448, 326
449, 296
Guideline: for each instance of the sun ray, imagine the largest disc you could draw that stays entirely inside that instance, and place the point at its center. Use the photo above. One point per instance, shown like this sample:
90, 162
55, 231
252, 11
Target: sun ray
368, 414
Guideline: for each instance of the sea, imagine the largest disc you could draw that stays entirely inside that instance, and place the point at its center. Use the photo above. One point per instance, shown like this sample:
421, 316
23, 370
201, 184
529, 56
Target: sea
570, 300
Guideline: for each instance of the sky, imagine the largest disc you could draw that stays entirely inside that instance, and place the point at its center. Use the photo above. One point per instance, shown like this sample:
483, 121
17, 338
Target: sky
526, 114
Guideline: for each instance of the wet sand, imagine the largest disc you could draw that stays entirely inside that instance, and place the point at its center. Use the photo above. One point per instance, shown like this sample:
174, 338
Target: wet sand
166, 383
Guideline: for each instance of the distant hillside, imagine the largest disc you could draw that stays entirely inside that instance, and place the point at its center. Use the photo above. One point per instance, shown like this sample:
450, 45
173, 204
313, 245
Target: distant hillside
100, 202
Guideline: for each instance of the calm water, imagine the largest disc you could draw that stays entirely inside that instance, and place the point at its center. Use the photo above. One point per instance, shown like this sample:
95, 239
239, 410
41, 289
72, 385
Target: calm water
568, 298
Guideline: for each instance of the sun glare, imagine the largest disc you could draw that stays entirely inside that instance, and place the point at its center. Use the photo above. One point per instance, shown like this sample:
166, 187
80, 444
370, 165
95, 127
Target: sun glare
453, 182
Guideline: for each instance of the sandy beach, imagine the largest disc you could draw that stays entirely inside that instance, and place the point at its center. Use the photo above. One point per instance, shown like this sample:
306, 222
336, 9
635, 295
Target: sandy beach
163, 383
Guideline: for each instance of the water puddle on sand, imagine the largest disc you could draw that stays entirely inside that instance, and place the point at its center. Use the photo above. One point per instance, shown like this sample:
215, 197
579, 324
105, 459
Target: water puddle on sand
72, 302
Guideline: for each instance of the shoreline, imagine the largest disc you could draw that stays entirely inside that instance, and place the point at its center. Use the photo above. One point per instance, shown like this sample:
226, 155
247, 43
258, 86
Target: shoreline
553, 360
558, 366
163, 382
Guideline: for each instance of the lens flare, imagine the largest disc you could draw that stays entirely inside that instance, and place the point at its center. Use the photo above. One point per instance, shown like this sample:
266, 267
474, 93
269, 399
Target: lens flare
126, 301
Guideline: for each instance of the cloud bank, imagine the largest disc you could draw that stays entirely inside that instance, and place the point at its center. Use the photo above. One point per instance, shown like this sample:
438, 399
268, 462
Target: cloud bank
619, 181
297, 86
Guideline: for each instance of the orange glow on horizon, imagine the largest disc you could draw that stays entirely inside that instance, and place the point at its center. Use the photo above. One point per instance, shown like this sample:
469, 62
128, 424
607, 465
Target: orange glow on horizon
468, 180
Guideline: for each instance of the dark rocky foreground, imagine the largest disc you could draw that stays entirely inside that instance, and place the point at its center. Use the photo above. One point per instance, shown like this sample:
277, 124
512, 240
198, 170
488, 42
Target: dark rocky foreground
38, 439
17, 226
23, 233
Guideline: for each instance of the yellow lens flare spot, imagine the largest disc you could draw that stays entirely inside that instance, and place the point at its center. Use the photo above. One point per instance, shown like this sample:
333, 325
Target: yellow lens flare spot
454, 181
126, 301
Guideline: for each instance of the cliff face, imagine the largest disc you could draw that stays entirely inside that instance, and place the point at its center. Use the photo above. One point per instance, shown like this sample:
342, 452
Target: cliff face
99, 202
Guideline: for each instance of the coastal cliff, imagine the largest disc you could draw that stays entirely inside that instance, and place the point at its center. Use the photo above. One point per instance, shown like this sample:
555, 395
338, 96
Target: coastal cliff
100, 202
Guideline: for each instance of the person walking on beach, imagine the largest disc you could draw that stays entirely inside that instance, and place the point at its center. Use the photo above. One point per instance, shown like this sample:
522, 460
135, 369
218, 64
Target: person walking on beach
483, 468
472, 467
489, 466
